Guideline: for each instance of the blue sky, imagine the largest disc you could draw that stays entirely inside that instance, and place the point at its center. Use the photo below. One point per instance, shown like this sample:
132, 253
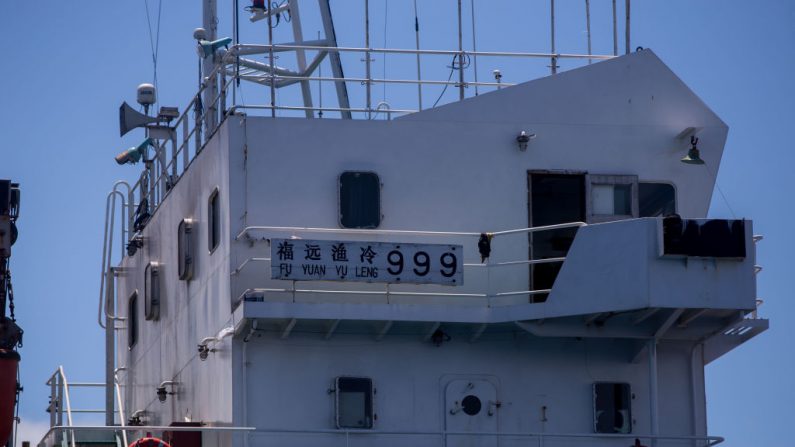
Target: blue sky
68, 66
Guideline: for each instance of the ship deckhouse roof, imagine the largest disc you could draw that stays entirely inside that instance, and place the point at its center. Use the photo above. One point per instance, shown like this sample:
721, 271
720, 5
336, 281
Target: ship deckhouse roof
633, 90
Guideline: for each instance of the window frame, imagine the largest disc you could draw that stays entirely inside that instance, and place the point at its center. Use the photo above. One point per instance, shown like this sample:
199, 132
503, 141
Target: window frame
186, 253
153, 289
339, 200
627, 419
213, 221
611, 180
132, 320
369, 407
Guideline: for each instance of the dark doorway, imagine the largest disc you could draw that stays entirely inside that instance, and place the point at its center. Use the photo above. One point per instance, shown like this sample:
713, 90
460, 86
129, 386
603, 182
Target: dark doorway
554, 199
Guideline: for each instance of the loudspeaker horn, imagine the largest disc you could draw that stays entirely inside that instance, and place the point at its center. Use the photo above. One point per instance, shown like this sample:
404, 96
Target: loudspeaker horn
129, 119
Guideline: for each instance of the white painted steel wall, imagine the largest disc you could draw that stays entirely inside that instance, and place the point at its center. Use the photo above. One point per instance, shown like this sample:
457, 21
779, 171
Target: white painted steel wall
189, 311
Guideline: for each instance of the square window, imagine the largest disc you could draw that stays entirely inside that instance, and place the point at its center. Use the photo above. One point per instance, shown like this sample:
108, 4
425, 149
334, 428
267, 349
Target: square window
612, 197
354, 402
360, 200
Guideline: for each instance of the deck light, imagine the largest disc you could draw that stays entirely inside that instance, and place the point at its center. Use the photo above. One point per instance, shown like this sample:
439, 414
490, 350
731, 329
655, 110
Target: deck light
693, 156
523, 138
162, 393
134, 154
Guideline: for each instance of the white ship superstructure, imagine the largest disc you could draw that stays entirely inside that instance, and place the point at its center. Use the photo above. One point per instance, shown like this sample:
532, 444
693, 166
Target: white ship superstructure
530, 266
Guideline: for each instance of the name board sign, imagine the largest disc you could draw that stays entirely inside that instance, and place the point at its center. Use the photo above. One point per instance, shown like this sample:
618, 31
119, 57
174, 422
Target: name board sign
311, 260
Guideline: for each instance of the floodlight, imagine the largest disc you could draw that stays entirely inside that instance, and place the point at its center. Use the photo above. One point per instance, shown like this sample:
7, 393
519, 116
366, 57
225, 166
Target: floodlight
134, 154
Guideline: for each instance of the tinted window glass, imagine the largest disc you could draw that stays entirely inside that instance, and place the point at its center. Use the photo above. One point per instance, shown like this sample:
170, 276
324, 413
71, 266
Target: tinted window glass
132, 320
185, 249
360, 200
152, 291
214, 221
612, 408
656, 199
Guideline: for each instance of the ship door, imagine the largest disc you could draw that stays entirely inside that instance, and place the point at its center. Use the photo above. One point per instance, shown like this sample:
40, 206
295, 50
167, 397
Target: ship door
554, 198
471, 409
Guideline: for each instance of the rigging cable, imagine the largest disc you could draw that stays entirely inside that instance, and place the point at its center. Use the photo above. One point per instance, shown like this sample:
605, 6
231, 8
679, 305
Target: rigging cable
453, 68
417, 39
474, 44
386, 15
154, 41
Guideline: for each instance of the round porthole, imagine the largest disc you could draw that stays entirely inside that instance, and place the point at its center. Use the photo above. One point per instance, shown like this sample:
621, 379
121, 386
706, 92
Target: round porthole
471, 405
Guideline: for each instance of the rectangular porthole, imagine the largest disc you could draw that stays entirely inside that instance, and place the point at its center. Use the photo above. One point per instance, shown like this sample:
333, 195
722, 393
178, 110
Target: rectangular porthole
354, 402
132, 320
213, 221
185, 249
360, 200
612, 408
152, 291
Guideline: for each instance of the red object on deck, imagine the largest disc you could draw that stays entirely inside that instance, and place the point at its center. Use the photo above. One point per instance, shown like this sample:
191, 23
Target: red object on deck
149, 441
9, 362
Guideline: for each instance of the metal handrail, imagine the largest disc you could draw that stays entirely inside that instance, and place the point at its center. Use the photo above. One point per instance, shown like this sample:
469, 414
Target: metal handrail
245, 234
58, 381
539, 436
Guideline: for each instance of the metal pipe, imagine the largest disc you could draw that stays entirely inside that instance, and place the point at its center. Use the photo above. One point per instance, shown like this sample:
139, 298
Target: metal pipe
588, 26
417, 42
474, 44
554, 66
270, 59
615, 30
460, 56
405, 232
367, 60
260, 49
626, 26
653, 418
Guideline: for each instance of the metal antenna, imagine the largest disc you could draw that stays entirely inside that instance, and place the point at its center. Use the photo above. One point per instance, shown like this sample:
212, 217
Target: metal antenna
474, 44
588, 26
615, 31
554, 66
417, 39
627, 27
460, 56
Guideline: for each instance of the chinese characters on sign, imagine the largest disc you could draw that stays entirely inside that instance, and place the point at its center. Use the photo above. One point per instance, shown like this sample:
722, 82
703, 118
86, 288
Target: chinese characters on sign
311, 260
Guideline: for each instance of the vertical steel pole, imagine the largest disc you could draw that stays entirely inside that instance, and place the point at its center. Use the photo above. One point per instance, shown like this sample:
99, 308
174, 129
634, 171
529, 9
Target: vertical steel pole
474, 45
110, 307
460, 56
627, 26
588, 26
417, 40
368, 74
272, 68
554, 66
615, 30
653, 422
210, 24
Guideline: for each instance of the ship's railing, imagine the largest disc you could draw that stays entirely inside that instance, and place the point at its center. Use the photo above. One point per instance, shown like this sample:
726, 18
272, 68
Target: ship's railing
53, 437
350, 437
177, 143
445, 437
486, 288
281, 78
